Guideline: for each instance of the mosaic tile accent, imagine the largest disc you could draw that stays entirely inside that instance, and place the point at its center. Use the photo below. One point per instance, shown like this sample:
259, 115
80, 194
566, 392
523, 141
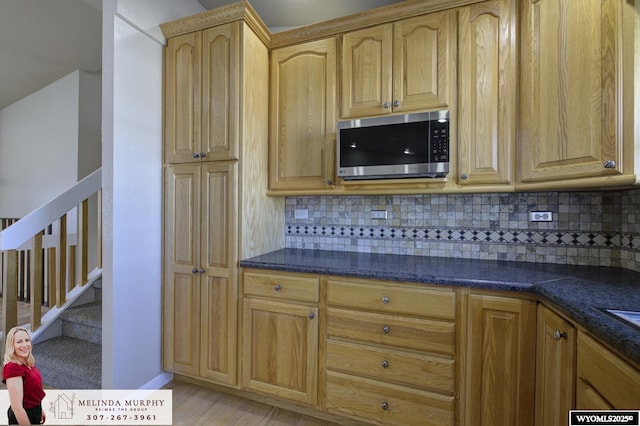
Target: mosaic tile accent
588, 228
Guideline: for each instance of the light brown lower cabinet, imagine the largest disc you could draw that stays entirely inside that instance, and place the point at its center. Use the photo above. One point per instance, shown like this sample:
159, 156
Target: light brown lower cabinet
604, 380
555, 368
390, 352
500, 361
280, 335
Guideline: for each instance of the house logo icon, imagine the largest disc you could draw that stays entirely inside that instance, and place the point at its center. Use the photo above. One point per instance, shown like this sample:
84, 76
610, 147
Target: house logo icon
62, 407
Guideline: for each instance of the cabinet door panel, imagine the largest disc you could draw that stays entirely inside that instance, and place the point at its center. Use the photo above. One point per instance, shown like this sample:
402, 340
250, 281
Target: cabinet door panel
182, 289
422, 60
487, 92
555, 368
303, 116
280, 349
182, 97
219, 277
220, 91
610, 377
366, 71
500, 361
570, 89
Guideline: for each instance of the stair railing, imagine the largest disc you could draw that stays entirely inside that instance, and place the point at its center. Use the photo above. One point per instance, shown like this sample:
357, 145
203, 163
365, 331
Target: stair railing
56, 253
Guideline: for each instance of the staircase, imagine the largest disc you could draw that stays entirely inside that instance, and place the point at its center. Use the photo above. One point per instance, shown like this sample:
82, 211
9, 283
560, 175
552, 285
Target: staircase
73, 360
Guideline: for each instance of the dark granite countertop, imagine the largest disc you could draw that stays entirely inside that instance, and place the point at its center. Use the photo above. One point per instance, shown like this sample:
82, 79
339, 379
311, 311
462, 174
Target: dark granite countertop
577, 291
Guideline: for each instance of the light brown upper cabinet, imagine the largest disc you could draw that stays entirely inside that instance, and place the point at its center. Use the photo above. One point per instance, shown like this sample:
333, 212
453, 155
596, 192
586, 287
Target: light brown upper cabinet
487, 93
399, 67
201, 95
302, 129
576, 94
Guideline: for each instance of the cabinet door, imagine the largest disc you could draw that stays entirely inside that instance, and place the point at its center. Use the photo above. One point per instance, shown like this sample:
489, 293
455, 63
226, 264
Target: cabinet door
280, 349
182, 282
571, 89
218, 270
604, 379
303, 117
182, 97
500, 361
220, 92
487, 92
555, 368
422, 62
366, 71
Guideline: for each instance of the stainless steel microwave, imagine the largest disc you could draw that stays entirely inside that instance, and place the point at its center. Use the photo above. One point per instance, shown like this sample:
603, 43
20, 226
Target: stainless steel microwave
399, 146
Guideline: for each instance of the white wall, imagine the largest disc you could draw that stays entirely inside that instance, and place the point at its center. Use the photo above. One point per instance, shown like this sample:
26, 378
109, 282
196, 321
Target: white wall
42, 138
132, 189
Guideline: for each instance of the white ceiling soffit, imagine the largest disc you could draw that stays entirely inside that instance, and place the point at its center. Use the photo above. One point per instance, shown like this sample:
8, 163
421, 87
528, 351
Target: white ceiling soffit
41, 41
284, 14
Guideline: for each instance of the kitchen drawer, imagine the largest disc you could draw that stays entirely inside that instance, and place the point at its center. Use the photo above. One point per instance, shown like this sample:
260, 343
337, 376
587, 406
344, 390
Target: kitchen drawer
384, 403
303, 288
420, 370
616, 381
402, 299
402, 332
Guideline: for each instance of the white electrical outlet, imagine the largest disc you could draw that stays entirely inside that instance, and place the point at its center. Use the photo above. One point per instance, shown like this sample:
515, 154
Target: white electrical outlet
378, 214
301, 214
541, 216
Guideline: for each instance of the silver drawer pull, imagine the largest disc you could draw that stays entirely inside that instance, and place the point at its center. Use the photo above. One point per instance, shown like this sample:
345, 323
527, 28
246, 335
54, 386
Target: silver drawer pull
312, 315
277, 287
385, 300
386, 329
385, 405
385, 364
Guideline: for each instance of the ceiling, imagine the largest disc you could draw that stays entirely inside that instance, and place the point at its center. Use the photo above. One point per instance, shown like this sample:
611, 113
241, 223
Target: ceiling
44, 40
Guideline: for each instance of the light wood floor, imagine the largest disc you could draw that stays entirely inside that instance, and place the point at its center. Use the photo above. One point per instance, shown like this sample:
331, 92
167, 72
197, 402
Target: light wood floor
195, 405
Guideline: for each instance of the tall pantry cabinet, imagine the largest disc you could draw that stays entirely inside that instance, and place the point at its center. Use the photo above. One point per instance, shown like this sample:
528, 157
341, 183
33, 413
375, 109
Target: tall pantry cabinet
215, 208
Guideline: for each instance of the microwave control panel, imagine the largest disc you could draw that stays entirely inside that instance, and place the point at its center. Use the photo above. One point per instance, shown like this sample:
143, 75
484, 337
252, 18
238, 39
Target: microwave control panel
439, 145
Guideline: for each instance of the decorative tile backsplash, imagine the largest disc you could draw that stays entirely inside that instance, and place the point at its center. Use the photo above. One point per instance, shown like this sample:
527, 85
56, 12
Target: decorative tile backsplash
588, 228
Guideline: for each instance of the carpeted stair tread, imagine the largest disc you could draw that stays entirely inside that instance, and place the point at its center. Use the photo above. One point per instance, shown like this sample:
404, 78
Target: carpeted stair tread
68, 363
89, 314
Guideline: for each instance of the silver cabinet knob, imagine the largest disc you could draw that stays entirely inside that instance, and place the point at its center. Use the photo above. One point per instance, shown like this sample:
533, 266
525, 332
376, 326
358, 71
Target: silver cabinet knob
329, 182
557, 335
194, 271
312, 315
201, 271
277, 287
385, 405
386, 105
609, 164
202, 154
464, 176
386, 329
196, 155
385, 300
396, 103
385, 364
